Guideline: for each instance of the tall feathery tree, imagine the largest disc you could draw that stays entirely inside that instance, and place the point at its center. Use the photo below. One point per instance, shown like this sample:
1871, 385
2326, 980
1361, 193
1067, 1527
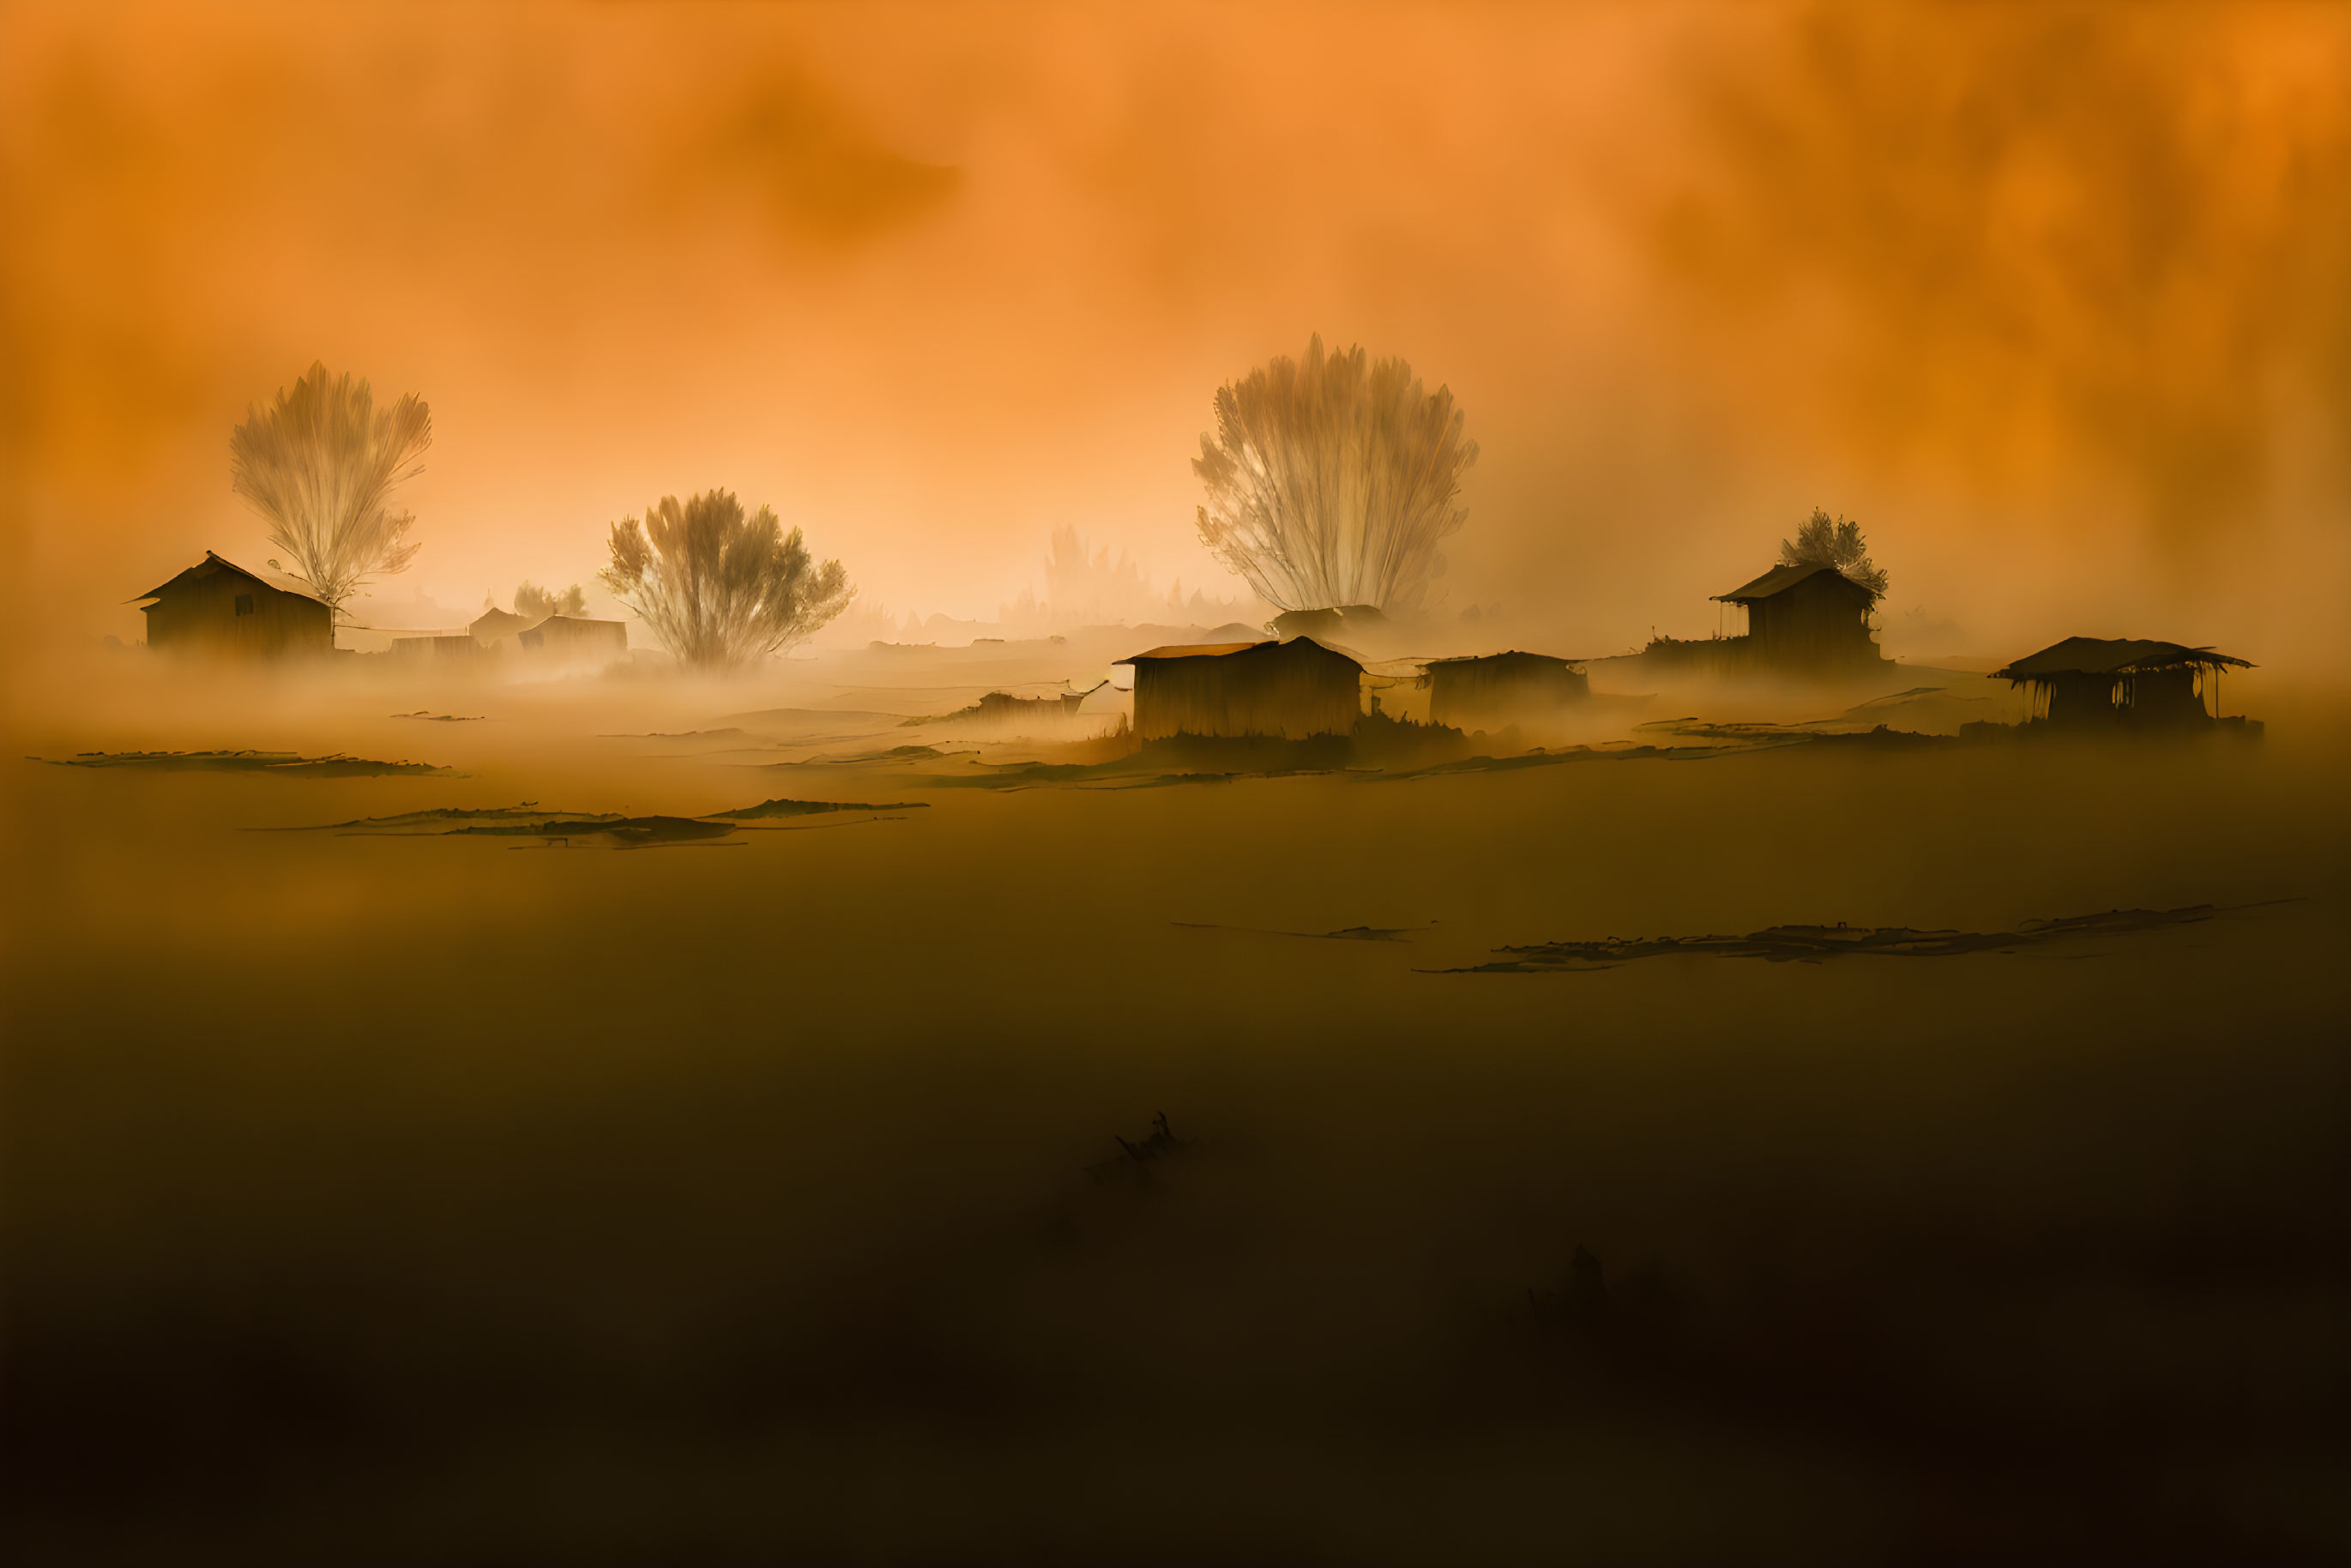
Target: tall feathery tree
1330, 480
721, 589
321, 464
1823, 541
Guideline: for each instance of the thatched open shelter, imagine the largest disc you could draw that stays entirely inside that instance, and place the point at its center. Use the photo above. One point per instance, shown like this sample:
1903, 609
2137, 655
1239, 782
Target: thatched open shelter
2093, 681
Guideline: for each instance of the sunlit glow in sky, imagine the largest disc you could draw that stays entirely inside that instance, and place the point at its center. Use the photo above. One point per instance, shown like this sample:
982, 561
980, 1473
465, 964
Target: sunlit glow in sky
2056, 300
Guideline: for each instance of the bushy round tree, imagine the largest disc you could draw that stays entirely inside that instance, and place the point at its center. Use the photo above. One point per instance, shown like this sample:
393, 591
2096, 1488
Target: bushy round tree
721, 589
1823, 541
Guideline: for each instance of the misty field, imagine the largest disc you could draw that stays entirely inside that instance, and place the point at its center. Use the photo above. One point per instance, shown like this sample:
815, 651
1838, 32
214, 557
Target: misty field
502, 1197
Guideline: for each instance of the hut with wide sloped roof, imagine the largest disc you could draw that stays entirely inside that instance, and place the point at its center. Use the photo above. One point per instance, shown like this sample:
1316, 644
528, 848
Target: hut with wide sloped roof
1290, 690
217, 607
2094, 683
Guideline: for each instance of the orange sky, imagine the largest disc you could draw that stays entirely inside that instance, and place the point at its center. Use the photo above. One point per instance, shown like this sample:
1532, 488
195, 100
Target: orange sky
2057, 301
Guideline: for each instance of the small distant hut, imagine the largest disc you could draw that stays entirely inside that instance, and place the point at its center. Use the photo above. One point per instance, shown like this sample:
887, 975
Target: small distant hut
1810, 617
1500, 688
492, 624
1292, 691
219, 606
459, 647
575, 640
2089, 683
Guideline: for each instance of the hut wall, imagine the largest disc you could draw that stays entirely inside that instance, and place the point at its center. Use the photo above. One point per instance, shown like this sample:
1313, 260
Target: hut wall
1823, 619
569, 640
1464, 691
2081, 700
2164, 697
224, 612
439, 650
1294, 691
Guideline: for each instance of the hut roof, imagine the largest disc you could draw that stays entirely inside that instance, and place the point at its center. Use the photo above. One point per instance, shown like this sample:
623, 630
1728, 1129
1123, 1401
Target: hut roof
496, 622
1228, 650
1780, 579
212, 563
1192, 651
1510, 654
2110, 656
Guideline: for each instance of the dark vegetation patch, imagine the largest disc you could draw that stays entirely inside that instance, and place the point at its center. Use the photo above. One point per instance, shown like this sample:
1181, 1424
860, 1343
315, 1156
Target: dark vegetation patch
688, 735
1350, 934
1812, 944
629, 832
278, 764
1134, 1159
787, 808
444, 717
440, 820
890, 754
528, 819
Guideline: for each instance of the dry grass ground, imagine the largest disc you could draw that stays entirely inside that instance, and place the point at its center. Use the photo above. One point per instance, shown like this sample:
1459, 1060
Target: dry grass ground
376, 1199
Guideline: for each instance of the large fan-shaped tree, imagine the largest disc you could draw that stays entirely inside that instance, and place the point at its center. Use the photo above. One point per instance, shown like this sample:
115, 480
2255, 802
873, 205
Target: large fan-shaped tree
321, 464
1331, 478
721, 589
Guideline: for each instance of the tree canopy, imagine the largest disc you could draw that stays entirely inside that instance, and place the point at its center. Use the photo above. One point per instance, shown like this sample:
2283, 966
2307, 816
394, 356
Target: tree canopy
321, 464
720, 589
1330, 480
1838, 543
545, 602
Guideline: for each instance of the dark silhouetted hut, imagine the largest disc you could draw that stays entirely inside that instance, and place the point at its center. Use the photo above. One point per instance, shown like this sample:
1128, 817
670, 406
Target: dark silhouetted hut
1292, 690
574, 640
1806, 617
494, 623
439, 650
1499, 688
218, 607
2089, 683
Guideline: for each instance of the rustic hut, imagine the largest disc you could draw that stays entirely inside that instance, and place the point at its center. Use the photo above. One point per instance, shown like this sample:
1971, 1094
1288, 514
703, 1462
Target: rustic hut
575, 640
2087, 683
1489, 689
219, 606
1291, 690
459, 648
494, 623
1806, 617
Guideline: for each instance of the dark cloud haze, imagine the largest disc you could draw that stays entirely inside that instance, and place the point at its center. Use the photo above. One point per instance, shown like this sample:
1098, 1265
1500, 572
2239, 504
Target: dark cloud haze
2056, 299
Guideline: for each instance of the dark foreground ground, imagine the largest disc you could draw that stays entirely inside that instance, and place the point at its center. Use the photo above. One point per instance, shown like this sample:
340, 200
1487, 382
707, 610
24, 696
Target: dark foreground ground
374, 1199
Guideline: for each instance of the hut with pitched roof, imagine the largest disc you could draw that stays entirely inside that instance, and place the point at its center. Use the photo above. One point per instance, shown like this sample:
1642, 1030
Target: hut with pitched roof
1491, 689
575, 641
217, 607
1806, 619
1295, 690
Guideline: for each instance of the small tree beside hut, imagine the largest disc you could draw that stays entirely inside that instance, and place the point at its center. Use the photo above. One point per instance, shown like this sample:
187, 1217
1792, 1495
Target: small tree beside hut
321, 464
1332, 479
1823, 541
720, 589
538, 603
